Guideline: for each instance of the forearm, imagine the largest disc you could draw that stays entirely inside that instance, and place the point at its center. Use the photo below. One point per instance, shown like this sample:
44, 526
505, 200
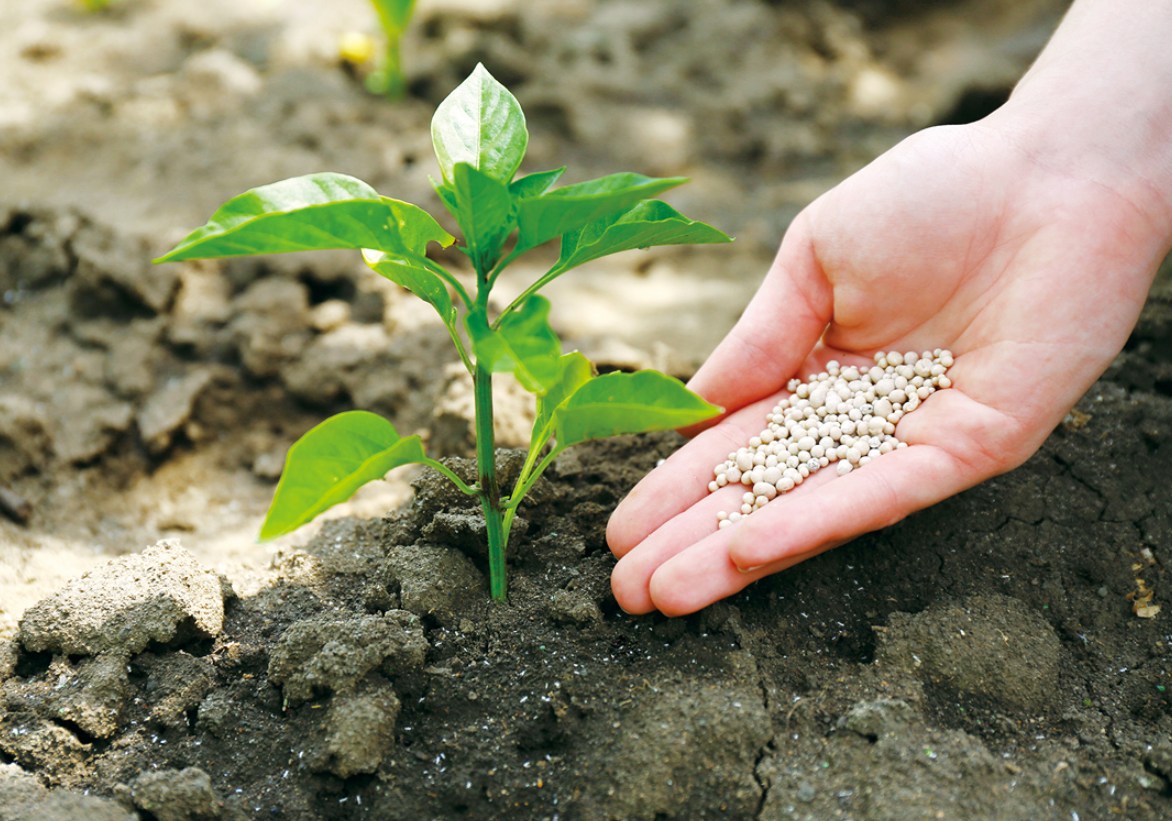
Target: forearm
1097, 104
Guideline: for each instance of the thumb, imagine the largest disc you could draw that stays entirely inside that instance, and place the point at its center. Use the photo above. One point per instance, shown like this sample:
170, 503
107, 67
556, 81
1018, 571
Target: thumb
775, 334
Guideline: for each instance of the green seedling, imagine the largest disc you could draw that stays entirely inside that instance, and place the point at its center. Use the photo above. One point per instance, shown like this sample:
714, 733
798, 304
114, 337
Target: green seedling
388, 77
480, 138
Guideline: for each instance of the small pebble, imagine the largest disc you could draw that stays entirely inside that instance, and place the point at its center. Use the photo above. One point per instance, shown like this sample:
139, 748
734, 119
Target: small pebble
842, 415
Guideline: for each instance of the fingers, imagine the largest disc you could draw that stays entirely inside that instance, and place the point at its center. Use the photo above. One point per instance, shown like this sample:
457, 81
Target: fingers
686, 564
692, 534
940, 462
777, 331
871, 498
705, 575
682, 481
781, 535
632, 575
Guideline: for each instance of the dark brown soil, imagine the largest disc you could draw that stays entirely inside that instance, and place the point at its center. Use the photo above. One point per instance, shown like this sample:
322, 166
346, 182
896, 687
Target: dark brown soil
999, 656
981, 659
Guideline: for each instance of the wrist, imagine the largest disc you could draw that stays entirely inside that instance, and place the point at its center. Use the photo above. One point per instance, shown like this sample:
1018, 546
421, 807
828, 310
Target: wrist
1121, 157
1095, 106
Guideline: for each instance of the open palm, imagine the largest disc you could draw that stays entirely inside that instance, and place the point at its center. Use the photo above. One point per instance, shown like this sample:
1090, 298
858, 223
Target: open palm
957, 239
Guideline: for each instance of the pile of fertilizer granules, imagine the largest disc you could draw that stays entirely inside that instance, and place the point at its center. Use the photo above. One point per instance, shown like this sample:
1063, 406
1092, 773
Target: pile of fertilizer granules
842, 415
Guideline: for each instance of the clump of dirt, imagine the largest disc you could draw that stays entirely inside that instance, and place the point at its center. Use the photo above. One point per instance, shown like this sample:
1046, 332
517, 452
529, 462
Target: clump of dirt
136, 397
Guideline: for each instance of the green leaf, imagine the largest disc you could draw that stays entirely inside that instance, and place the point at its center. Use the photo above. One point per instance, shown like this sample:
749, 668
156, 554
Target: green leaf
651, 222
447, 194
484, 211
523, 344
482, 124
394, 14
573, 206
327, 465
425, 284
534, 185
618, 403
311, 213
574, 371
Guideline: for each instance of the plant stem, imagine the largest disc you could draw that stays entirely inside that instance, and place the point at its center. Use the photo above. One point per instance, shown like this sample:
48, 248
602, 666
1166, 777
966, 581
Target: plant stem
395, 82
490, 492
387, 78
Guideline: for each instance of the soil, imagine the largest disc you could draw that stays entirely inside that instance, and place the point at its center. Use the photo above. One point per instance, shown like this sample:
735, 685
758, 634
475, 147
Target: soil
999, 656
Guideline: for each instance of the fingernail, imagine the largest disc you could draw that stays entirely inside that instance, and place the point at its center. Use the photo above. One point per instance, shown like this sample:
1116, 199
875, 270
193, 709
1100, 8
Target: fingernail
749, 569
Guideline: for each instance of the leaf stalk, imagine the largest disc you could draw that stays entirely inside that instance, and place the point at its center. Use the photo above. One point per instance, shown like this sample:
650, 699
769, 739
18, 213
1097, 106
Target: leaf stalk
524, 295
449, 278
525, 483
456, 480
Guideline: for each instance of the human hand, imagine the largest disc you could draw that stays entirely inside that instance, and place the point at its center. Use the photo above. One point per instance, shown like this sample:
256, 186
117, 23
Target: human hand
1030, 273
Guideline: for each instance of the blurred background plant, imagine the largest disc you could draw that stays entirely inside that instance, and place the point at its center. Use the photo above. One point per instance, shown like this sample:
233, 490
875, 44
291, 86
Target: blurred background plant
357, 49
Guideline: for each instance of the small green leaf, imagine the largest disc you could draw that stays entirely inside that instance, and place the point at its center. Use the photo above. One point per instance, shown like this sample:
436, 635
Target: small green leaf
425, 284
447, 194
573, 206
523, 344
651, 222
480, 123
534, 185
394, 14
311, 213
618, 403
484, 211
574, 371
327, 465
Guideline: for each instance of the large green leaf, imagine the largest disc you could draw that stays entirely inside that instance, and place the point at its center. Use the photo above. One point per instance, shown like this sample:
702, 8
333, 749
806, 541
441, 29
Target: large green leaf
425, 284
534, 185
327, 465
523, 344
573, 206
651, 222
574, 371
618, 403
482, 124
484, 211
311, 213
